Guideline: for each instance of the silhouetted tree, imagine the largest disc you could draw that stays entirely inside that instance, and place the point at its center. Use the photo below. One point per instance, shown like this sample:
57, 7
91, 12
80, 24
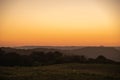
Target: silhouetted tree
42, 58
91, 60
53, 57
75, 58
102, 59
11, 59
26, 60
38, 58
57, 57
83, 59
2, 53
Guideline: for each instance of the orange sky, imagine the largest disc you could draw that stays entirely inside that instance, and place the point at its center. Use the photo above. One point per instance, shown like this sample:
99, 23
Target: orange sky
59, 23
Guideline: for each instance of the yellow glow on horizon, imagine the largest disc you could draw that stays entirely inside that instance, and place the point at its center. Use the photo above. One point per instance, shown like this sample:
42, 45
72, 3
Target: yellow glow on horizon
73, 22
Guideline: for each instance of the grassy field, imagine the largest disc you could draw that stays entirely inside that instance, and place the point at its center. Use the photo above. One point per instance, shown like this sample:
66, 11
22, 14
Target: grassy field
62, 72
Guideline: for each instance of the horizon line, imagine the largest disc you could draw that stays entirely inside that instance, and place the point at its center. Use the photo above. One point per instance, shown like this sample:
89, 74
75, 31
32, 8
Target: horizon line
63, 46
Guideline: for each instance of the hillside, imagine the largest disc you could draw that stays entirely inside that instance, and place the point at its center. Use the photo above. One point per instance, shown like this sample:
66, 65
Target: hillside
90, 52
93, 52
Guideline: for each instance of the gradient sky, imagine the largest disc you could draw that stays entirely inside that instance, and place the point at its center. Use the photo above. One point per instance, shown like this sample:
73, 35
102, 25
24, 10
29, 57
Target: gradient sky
59, 22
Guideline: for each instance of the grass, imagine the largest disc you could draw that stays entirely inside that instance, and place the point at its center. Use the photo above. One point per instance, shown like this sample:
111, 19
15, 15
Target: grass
72, 71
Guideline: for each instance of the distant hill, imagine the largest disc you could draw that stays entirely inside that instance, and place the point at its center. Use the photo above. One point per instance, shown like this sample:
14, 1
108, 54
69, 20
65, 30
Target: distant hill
112, 53
118, 48
93, 52
51, 47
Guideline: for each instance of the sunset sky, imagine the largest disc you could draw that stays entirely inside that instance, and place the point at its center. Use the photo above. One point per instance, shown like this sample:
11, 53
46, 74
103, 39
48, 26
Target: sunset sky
60, 22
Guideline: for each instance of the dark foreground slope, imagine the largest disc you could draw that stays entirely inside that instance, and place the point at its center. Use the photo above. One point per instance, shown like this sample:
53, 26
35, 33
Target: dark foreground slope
62, 72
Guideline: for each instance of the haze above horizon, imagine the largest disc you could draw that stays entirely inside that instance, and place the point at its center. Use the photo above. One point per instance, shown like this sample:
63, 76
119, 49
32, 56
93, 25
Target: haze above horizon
60, 22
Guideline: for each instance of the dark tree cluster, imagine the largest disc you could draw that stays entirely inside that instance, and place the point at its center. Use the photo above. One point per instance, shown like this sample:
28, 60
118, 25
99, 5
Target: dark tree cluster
42, 58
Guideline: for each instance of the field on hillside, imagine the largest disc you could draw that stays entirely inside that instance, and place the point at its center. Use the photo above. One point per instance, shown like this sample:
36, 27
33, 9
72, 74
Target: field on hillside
62, 72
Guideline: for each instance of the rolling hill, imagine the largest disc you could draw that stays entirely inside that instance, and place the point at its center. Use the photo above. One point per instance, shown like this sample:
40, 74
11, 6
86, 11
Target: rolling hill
112, 53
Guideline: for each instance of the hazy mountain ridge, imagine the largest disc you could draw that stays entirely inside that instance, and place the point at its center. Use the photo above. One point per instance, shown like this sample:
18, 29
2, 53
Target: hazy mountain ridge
112, 53
51, 47
93, 52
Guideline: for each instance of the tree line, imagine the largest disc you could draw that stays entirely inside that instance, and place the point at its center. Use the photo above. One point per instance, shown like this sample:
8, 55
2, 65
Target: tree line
42, 58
